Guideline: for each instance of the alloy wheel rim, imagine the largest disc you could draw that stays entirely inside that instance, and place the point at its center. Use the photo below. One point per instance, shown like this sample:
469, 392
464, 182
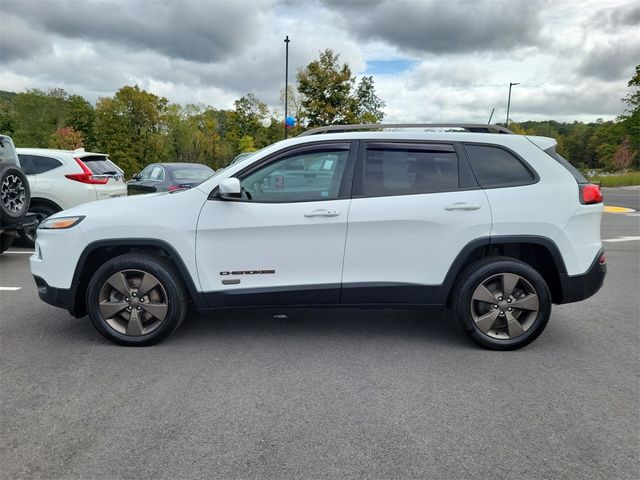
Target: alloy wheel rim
13, 193
133, 302
504, 306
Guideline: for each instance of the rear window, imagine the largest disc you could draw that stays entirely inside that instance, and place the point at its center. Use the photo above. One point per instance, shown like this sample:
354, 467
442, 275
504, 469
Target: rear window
100, 165
192, 174
496, 167
565, 163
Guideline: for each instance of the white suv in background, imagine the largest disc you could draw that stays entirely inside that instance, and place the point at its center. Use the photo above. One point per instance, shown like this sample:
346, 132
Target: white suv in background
494, 226
62, 179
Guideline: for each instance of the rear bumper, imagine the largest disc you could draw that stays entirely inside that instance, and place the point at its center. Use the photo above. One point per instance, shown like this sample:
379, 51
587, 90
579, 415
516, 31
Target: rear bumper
58, 297
581, 287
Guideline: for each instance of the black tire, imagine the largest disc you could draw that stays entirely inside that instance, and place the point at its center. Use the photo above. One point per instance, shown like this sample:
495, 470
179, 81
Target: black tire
6, 240
14, 194
170, 287
28, 235
470, 312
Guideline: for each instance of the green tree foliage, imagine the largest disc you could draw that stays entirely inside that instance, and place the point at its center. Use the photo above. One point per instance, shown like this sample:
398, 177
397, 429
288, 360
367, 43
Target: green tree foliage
631, 118
36, 115
130, 128
368, 105
80, 116
330, 95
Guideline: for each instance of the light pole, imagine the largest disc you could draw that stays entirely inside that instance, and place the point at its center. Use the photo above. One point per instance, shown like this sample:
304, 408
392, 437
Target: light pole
509, 101
286, 83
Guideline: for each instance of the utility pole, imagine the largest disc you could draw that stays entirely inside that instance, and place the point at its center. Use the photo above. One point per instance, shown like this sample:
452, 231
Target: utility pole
286, 84
509, 101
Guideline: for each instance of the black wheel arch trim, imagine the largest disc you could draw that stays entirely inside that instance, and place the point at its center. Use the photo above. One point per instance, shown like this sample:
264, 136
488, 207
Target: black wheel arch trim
45, 202
441, 295
77, 308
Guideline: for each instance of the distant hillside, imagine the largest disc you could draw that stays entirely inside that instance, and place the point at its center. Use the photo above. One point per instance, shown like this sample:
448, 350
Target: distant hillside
9, 96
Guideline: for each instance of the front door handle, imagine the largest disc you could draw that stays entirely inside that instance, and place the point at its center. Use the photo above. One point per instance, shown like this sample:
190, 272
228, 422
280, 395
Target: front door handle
322, 213
462, 206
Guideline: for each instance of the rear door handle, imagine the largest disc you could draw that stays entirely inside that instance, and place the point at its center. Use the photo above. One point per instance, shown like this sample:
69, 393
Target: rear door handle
322, 213
462, 206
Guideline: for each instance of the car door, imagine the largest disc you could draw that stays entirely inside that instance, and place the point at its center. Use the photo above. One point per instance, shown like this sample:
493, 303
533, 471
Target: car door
282, 243
146, 181
415, 206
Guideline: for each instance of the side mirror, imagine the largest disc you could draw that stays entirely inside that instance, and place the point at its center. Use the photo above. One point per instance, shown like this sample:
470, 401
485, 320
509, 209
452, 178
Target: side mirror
230, 188
135, 176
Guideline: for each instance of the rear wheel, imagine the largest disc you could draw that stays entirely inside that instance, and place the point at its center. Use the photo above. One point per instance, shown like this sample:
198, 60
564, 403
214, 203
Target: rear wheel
41, 212
136, 299
501, 303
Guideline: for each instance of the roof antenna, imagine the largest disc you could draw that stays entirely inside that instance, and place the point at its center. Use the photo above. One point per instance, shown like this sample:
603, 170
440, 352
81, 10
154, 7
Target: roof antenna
491, 116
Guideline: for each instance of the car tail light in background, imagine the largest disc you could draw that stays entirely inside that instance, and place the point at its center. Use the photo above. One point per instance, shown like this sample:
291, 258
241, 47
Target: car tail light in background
603, 259
173, 188
590, 193
87, 175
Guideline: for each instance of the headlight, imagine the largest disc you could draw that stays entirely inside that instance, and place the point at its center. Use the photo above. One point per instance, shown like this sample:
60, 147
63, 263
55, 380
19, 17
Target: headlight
59, 223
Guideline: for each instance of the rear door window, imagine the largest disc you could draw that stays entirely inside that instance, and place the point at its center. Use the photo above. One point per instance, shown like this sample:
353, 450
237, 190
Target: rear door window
157, 174
496, 167
408, 169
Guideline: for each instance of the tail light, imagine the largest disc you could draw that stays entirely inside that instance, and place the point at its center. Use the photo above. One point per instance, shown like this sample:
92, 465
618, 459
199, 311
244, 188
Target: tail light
173, 188
590, 193
86, 176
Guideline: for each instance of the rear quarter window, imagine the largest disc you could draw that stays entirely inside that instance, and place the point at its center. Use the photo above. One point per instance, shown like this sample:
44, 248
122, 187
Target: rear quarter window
35, 164
496, 167
565, 163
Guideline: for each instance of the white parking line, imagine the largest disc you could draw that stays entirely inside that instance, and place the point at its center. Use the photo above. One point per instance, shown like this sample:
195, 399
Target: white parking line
19, 252
9, 289
621, 239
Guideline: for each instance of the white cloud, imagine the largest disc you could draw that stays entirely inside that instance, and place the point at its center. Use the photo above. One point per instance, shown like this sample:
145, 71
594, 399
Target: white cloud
570, 61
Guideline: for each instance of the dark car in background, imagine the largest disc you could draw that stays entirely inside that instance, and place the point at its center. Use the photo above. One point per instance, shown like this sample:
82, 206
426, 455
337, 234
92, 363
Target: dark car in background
167, 177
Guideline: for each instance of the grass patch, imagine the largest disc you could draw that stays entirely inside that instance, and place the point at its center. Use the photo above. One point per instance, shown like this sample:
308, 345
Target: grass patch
617, 180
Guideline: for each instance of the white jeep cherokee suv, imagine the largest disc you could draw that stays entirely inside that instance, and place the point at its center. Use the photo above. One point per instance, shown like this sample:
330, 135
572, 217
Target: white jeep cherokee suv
495, 226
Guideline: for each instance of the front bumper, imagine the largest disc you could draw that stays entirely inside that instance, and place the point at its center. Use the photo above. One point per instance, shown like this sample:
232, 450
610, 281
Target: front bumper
58, 297
581, 287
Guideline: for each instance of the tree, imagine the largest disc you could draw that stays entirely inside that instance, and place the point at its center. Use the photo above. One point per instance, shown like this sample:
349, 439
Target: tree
368, 105
624, 156
79, 115
631, 121
130, 128
66, 138
325, 87
633, 99
330, 95
37, 114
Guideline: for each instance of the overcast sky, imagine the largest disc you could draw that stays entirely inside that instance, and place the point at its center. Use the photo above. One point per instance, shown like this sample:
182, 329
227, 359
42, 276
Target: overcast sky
431, 60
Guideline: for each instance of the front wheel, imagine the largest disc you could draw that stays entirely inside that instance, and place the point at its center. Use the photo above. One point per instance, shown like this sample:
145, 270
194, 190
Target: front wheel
136, 299
501, 303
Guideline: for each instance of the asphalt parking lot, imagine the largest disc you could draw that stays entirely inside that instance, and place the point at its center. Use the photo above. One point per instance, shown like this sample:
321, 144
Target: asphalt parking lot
326, 394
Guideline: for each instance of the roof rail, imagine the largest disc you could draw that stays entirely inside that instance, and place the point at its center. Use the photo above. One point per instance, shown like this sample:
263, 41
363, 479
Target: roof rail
470, 127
